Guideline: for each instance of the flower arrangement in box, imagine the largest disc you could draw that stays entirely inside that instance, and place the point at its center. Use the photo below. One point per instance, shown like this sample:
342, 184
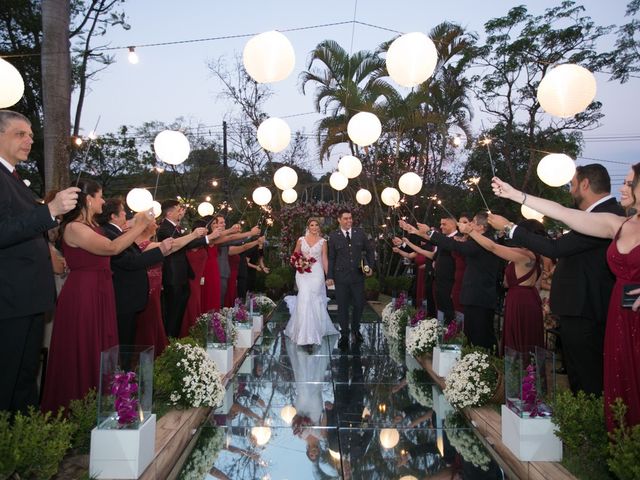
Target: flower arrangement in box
423, 337
452, 335
263, 304
420, 387
420, 315
301, 262
240, 312
204, 454
124, 388
465, 442
394, 324
472, 381
401, 301
215, 323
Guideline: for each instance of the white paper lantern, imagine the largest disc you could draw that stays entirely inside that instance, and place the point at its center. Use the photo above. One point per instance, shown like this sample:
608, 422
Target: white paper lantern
389, 437
289, 195
350, 166
261, 435
287, 413
269, 57
261, 196
556, 169
408, 477
171, 147
139, 199
364, 128
530, 213
11, 85
204, 209
567, 90
411, 59
390, 196
363, 196
285, 178
338, 181
157, 208
410, 183
274, 134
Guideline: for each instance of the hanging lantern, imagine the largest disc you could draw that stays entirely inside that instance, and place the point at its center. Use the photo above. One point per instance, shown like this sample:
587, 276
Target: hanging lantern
531, 214
287, 413
390, 196
556, 169
261, 196
411, 59
274, 134
410, 183
389, 437
139, 199
261, 435
11, 85
338, 181
567, 90
171, 147
289, 195
364, 128
363, 196
204, 209
349, 166
157, 208
269, 57
285, 178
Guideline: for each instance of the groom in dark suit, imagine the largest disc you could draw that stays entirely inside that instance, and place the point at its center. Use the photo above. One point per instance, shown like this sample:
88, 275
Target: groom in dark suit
350, 259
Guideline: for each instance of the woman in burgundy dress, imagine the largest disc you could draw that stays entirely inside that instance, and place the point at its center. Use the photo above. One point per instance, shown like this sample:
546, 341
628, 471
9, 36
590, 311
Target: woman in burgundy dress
197, 259
210, 290
232, 285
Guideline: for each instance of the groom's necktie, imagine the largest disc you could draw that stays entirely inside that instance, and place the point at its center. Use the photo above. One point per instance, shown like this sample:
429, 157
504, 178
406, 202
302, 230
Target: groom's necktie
348, 237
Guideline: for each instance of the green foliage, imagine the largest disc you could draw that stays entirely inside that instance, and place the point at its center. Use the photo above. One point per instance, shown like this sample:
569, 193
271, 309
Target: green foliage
166, 371
274, 282
372, 284
624, 448
397, 284
82, 414
286, 273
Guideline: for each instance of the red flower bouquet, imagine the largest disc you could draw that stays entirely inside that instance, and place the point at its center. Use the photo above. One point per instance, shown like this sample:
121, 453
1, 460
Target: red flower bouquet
301, 262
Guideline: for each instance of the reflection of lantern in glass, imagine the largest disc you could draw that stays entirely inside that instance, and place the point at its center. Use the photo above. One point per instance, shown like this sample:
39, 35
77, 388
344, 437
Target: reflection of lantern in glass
411, 59
204, 209
289, 195
410, 183
389, 437
285, 178
261, 435
261, 196
269, 57
390, 196
338, 181
556, 169
157, 208
349, 166
274, 134
171, 147
364, 128
363, 196
408, 477
139, 199
11, 84
287, 413
530, 213
566, 90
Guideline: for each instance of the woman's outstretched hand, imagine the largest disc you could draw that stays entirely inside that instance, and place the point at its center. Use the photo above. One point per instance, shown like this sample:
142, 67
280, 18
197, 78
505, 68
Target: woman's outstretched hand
503, 189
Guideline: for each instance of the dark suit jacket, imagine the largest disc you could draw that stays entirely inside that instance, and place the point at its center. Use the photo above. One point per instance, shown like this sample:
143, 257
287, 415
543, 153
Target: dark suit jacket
480, 274
582, 282
26, 275
129, 268
176, 269
344, 260
445, 266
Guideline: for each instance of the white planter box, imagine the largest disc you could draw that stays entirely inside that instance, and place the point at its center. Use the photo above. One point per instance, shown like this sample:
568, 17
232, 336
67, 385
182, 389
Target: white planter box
222, 357
244, 338
444, 360
530, 439
122, 453
257, 323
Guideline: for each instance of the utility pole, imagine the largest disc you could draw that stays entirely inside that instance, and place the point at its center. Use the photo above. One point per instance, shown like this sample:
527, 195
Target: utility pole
225, 166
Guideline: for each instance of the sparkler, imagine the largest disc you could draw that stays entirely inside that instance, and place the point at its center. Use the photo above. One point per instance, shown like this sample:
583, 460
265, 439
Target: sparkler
441, 205
476, 181
487, 141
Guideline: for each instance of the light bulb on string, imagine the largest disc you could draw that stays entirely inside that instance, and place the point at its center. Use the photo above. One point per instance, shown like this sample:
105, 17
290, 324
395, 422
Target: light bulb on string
133, 56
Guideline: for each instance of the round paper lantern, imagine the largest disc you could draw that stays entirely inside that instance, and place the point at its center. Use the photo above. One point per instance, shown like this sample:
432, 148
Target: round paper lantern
261, 196
139, 199
530, 213
411, 59
204, 209
261, 435
349, 166
566, 90
390, 196
268, 57
285, 178
363, 196
274, 134
171, 147
287, 413
289, 195
157, 208
389, 437
410, 183
408, 477
556, 169
364, 128
338, 181
11, 85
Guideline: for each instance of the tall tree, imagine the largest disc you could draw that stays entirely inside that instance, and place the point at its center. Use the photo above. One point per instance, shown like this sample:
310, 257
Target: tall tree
625, 59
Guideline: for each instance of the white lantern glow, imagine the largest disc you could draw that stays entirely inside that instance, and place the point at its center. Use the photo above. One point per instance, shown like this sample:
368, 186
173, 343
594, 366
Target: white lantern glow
289, 195
274, 134
364, 128
363, 196
157, 208
139, 199
410, 183
411, 59
261, 435
408, 477
338, 181
11, 84
389, 437
556, 169
268, 57
566, 90
204, 209
349, 166
530, 213
390, 196
171, 147
285, 178
287, 413
261, 196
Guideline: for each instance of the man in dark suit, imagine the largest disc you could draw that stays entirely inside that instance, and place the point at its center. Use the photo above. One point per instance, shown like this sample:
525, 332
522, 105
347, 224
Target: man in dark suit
582, 282
445, 272
348, 250
26, 277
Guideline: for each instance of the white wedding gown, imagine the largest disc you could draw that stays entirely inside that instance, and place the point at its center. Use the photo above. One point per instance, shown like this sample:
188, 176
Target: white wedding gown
310, 319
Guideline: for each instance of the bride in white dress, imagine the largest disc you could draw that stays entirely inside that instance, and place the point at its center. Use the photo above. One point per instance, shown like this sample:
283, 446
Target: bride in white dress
310, 319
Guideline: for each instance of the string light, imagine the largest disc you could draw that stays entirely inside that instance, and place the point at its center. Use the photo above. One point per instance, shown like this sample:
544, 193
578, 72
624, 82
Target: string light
133, 56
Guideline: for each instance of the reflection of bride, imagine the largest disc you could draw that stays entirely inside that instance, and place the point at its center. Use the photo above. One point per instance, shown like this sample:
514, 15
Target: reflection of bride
310, 319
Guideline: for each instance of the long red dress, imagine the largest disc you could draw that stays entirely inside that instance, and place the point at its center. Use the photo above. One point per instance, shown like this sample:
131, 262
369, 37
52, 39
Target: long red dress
85, 326
622, 338
232, 284
149, 326
210, 291
197, 259
523, 325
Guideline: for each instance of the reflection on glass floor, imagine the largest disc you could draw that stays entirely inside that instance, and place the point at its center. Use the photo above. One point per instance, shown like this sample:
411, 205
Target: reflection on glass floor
367, 413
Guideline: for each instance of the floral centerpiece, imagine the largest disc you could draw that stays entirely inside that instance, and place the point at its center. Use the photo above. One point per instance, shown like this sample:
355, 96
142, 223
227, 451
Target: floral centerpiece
420, 315
423, 337
302, 263
124, 389
420, 387
213, 326
262, 304
395, 323
204, 454
472, 381
465, 442
452, 335
239, 312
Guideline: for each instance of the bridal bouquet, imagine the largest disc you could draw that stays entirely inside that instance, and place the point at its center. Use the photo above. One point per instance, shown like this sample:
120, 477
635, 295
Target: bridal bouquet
301, 262
472, 381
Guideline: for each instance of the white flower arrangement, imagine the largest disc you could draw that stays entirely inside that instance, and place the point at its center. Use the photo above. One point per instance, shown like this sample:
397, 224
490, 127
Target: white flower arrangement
395, 323
386, 312
204, 454
469, 447
471, 382
420, 388
263, 303
396, 351
423, 337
